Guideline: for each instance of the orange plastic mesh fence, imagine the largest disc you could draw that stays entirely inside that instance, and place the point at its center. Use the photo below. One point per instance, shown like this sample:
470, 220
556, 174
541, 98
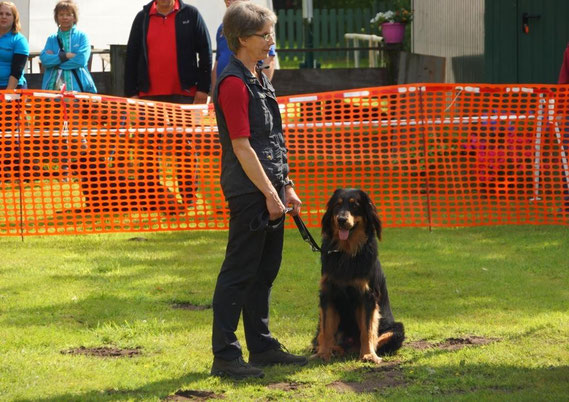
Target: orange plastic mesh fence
429, 155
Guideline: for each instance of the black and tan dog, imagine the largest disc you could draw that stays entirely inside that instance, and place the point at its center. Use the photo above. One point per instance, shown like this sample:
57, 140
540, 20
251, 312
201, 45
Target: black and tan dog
355, 314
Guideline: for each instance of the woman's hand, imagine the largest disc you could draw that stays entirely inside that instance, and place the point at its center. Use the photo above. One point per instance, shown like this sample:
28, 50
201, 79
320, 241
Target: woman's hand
12, 82
254, 171
200, 98
69, 55
291, 199
275, 206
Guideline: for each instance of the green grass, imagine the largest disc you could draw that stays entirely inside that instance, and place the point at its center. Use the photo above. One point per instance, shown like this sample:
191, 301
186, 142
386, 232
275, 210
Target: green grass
505, 283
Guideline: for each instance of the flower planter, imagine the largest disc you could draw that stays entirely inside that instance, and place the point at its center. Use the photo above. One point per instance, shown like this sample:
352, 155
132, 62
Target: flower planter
393, 32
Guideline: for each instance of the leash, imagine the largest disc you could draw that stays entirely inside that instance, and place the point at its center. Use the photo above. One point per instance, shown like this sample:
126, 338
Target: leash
306, 236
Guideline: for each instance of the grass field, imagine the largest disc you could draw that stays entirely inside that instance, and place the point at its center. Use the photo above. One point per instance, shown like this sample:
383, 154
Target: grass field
109, 317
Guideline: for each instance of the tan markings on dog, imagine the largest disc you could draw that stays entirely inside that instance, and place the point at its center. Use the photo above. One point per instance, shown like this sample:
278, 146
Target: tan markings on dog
357, 239
339, 201
351, 220
349, 224
383, 338
368, 334
329, 322
362, 284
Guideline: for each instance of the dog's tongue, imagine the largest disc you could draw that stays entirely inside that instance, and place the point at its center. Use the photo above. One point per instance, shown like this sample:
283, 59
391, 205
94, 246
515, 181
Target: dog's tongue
343, 234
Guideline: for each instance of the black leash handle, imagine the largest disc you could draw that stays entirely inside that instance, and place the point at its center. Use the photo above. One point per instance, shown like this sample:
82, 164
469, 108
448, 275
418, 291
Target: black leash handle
306, 236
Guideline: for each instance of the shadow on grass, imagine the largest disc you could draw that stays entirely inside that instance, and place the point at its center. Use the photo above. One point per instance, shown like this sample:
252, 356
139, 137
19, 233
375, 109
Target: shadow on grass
181, 386
129, 280
499, 381
96, 309
490, 382
158, 389
426, 350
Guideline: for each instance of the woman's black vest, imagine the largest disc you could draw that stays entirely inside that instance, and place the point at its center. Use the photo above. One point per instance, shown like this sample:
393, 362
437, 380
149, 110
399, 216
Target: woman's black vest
266, 138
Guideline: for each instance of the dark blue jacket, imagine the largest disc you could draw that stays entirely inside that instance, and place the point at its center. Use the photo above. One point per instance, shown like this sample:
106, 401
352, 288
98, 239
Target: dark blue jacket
192, 38
266, 138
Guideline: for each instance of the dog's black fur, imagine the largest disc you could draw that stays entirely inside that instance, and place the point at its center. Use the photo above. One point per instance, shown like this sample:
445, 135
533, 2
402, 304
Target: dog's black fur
355, 314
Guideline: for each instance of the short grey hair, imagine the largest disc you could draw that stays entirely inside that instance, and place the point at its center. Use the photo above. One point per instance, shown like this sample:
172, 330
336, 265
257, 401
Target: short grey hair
69, 6
242, 19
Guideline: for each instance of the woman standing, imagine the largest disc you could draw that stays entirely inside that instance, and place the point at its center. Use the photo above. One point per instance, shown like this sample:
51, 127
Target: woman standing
255, 182
66, 53
14, 49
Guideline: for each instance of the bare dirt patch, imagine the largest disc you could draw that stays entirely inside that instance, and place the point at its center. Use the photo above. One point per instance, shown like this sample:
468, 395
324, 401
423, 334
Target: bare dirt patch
459, 343
193, 395
452, 343
103, 351
191, 306
387, 375
419, 345
285, 386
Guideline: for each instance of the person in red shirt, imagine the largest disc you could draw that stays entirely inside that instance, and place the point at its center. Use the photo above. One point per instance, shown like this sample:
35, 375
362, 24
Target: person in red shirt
564, 79
169, 59
168, 55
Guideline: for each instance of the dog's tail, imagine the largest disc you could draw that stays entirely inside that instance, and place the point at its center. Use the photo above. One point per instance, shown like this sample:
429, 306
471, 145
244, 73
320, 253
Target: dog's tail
396, 339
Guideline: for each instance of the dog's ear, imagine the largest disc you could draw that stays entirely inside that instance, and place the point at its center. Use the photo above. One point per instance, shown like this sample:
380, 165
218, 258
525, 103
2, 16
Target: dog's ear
372, 218
327, 217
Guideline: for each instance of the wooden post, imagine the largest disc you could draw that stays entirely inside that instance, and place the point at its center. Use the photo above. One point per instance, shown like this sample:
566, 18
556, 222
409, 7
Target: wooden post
118, 59
392, 51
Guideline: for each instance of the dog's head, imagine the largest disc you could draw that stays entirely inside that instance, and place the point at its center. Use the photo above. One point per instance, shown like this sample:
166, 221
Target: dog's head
350, 215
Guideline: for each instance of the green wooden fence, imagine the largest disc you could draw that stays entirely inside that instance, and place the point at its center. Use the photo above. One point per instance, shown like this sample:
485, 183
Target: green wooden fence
328, 29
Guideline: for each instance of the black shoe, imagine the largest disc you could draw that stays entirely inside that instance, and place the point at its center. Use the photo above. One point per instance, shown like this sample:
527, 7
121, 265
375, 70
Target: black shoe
276, 355
236, 369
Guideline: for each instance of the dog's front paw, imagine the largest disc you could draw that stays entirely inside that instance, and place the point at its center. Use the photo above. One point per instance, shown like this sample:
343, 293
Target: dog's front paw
371, 358
327, 353
338, 350
323, 355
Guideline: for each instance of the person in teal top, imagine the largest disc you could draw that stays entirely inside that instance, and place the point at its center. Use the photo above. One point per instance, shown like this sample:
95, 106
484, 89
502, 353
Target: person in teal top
14, 49
66, 53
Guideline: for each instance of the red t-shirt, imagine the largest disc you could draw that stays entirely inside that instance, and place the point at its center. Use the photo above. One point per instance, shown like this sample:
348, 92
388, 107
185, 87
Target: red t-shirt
233, 99
162, 55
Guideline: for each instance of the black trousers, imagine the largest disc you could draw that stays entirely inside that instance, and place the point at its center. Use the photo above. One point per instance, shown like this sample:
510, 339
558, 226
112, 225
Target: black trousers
252, 262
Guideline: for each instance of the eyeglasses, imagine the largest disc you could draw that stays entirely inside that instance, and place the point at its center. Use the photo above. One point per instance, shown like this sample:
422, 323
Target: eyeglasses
267, 37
